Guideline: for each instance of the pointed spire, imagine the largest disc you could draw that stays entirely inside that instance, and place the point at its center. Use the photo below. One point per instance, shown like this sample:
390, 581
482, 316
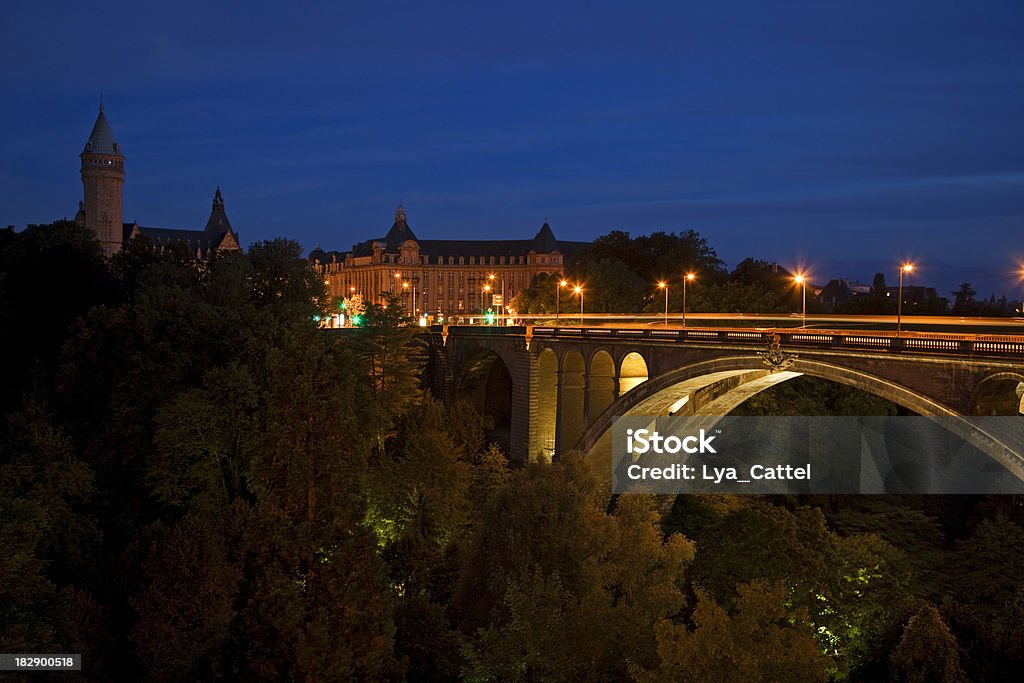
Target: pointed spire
218, 217
101, 140
400, 214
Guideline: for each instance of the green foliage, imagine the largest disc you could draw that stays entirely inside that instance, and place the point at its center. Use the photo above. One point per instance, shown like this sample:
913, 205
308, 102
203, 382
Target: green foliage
555, 588
927, 652
197, 483
543, 295
851, 588
761, 641
609, 286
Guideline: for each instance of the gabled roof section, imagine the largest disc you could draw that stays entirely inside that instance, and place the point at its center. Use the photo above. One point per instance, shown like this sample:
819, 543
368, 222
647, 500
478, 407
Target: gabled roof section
218, 217
101, 140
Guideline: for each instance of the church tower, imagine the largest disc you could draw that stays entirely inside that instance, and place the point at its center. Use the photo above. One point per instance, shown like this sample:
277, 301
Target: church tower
103, 178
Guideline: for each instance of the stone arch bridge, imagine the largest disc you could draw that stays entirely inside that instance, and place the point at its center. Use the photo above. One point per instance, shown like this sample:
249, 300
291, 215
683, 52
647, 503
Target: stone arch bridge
545, 390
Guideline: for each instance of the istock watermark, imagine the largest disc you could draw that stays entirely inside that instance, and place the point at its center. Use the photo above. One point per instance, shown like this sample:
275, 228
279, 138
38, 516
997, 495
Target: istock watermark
784, 455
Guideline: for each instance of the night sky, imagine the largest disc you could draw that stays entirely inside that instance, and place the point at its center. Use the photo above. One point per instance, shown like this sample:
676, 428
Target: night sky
841, 135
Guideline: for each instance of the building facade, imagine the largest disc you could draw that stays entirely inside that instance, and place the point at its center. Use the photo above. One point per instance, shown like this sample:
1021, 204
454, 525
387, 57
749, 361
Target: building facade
448, 278
100, 210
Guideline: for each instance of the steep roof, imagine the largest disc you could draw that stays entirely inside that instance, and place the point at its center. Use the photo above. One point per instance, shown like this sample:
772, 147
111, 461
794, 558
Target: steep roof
399, 232
161, 237
101, 140
218, 233
218, 221
544, 241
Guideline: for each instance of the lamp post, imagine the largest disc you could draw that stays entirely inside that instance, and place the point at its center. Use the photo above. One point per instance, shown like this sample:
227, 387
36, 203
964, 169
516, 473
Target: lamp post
905, 268
483, 302
579, 290
558, 292
662, 285
1021, 311
405, 285
501, 307
690, 277
801, 280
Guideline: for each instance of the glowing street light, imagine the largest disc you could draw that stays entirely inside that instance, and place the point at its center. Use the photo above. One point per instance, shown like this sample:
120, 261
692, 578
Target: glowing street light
405, 285
483, 302
801, 280
558, 292
1022, 298
579, 290
690, 277
905, 268
662, 285
492, 277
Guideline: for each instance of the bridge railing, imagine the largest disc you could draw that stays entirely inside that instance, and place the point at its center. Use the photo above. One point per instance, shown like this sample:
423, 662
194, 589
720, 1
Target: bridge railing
908, 342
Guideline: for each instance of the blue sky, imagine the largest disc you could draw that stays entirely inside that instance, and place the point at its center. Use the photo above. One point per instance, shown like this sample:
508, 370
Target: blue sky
843, 136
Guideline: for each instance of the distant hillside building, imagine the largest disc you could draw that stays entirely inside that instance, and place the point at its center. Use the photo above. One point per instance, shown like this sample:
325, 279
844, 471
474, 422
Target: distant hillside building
100, 210
839, 292
448, 276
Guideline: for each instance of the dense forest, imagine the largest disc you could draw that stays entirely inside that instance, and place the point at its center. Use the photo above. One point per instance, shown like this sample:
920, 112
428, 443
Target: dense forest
197, 483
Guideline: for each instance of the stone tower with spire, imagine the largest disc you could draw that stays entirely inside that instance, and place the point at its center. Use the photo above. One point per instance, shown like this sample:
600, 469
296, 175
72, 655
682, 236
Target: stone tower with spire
103, 179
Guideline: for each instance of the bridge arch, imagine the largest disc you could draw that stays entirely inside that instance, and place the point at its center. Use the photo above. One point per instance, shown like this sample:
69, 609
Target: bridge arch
658, 396
601, 383
571, 395
547, 403
485, 381
632, 372
999, 394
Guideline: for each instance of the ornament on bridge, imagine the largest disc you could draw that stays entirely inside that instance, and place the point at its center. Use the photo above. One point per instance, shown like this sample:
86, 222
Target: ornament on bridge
774, 358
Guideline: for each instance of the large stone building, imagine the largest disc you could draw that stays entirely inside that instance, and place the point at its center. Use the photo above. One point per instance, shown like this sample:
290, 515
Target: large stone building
446, 277
100, 210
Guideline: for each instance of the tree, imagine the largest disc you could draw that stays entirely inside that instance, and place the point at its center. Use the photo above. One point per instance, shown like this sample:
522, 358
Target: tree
927, 652
963, 300
760, 641
392, 360
851, 588
555, 588
609, 286
540, 297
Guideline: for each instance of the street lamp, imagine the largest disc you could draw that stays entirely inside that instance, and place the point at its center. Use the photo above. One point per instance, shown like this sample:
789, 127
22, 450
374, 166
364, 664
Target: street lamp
483, 301
690, 277
579, 290
905, 268
501, 307
1022, 298
558, 292
405, 285
662, 285
801, 280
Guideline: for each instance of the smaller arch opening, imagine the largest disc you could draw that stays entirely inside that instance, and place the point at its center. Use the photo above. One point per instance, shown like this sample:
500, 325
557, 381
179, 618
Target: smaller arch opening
487, 384
632, 372
999, 395
600, 384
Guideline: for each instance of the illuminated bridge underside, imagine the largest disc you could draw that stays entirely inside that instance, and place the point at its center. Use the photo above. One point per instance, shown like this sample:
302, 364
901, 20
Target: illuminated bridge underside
567, 386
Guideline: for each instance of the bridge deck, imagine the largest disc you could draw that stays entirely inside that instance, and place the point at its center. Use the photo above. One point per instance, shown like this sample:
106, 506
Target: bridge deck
927, 343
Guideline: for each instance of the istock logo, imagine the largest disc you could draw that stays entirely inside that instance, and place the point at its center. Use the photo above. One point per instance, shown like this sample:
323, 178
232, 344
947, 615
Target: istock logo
642, 441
